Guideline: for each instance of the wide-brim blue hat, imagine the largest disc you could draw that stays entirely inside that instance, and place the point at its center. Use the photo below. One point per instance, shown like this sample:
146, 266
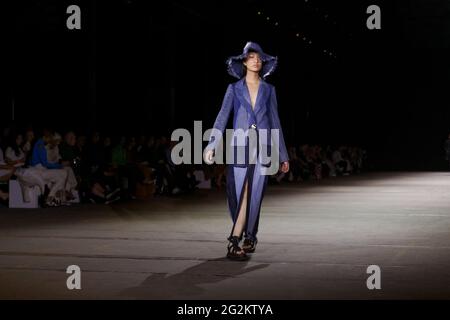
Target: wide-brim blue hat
236, 68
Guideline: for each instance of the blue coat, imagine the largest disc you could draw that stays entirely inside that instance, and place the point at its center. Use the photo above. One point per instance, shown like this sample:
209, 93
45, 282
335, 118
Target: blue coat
39, 156
264, 115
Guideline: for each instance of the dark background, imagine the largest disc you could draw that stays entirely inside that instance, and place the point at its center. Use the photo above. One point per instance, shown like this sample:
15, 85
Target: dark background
150, 67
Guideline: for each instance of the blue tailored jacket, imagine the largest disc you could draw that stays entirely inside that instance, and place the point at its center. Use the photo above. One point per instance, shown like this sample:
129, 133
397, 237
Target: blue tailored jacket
263, 116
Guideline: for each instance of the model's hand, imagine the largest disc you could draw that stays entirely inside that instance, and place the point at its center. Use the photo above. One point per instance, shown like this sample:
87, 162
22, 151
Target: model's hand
209, 156
285, 167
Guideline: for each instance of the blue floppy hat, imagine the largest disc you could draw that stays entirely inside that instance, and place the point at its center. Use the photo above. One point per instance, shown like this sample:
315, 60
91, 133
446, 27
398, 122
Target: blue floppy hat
236, 68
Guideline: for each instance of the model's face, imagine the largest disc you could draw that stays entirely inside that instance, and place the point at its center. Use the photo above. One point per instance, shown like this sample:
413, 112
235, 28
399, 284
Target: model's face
253, 62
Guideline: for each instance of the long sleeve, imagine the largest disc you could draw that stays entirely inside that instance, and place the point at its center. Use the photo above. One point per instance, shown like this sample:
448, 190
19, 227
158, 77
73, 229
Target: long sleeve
222, 118
277, 125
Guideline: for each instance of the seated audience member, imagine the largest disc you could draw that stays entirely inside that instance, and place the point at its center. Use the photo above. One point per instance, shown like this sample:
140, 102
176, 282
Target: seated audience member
107, 149
29, 141
97, 181
305, 172
39, 153
294, 163
6, 172
52, 147
14, 154
328, 156
28, 144
339, 162
95, 155
119, 153
54, 156
69, 152
27, 177
181, 178
53, 173
81, 145
123, 160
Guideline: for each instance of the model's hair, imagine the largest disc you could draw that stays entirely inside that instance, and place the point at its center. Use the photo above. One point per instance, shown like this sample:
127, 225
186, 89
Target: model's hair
250, 51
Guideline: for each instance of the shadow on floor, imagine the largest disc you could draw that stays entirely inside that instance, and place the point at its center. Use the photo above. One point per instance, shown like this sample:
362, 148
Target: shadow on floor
185, 284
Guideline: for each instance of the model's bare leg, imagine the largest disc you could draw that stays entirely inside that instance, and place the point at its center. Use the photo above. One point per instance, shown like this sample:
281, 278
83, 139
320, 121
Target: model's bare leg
240, 222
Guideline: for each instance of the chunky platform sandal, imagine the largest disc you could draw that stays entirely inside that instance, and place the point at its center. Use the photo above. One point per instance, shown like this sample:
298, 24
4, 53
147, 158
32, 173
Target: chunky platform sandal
249, 245
234, 251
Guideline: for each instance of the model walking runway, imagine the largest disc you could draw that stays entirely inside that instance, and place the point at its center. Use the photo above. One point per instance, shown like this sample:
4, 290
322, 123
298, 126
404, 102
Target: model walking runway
255, 108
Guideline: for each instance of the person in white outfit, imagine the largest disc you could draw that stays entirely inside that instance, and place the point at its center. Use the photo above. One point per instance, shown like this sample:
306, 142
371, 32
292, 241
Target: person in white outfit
27, 177
54, 156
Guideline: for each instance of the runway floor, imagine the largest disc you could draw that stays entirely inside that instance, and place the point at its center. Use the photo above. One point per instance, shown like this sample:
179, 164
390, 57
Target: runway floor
316, 241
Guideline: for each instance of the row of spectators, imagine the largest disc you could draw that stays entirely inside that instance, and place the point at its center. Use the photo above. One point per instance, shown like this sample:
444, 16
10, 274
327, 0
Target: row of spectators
95, 168
316, 162
103, 169
308, 162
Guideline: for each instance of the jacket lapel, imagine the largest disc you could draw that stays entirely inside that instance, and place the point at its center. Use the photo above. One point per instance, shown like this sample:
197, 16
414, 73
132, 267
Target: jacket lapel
244, 98
262, 93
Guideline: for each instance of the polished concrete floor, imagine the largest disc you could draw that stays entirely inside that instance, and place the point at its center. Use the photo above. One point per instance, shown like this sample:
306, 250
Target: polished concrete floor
316, 241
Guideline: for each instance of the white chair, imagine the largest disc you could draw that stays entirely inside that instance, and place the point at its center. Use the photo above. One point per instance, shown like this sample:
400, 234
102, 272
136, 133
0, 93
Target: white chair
17, 196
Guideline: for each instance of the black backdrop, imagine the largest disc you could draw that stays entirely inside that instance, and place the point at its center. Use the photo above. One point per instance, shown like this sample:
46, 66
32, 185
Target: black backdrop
149, 67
